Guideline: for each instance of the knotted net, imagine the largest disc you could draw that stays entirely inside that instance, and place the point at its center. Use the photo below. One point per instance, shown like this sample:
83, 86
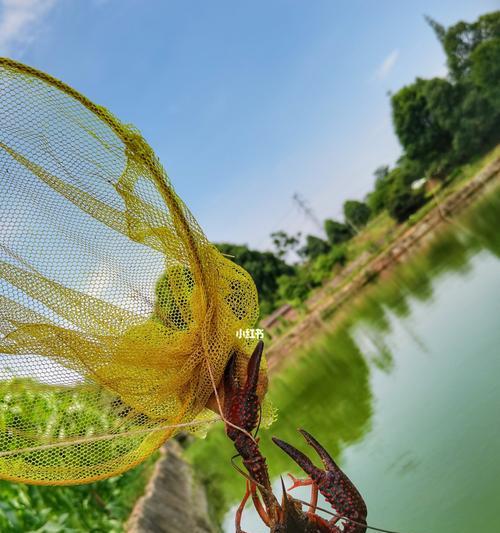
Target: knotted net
117, 316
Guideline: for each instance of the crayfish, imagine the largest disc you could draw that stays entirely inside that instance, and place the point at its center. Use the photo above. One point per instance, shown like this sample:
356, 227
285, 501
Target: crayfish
241, 413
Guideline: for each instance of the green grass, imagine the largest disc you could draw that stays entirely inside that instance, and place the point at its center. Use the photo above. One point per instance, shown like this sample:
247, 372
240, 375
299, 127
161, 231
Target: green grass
373, 237
102, 506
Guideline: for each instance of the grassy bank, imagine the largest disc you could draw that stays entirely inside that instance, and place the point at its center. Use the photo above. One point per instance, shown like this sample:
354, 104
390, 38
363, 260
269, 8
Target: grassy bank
376, 247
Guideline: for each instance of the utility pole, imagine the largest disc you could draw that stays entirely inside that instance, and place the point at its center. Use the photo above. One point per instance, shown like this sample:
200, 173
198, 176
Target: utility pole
304, 207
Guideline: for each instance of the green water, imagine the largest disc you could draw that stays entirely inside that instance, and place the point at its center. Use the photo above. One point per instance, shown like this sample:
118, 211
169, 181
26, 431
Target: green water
404, 392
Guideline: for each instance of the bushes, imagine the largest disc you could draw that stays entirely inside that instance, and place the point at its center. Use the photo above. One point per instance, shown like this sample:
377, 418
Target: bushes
356, 213
295, 289
403, 202
99, 506
314, 247
322, 267
337, 232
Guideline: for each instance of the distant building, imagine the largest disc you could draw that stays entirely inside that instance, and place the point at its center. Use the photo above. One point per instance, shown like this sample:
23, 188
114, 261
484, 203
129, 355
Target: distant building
418, 184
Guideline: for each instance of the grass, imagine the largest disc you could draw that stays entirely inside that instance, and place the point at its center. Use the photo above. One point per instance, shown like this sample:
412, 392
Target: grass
102, 506
376, 234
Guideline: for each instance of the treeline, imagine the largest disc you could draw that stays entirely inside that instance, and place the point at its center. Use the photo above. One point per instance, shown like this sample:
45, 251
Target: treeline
440, 123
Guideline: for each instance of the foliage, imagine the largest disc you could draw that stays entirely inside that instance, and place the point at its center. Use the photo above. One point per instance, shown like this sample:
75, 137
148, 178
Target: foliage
265, 269
356, 213
477, 122
376, 199
402, 201
337, 232
284, 243
314, 246
441, 123
295, 289
460, 40
100, 506
485, 70
420, 112
322, 266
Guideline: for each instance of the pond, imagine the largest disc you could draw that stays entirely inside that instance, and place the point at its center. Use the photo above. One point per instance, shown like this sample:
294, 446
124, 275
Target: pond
403, 391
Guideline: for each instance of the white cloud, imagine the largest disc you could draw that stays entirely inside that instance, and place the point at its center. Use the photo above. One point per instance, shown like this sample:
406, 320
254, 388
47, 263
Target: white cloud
387, 65
19, 22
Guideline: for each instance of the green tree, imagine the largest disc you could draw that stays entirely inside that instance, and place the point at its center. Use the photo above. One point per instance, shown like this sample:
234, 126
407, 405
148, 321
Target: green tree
478, 120
356, 213
337, 232
314, 246
284, 243
421, 114
485, 71
295, 289
460, 40
377, 199
322, 266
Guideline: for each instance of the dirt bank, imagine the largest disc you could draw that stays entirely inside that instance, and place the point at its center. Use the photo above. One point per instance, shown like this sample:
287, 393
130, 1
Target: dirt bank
174, 501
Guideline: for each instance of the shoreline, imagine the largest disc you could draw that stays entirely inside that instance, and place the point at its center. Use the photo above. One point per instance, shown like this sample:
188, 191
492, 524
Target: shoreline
327, 301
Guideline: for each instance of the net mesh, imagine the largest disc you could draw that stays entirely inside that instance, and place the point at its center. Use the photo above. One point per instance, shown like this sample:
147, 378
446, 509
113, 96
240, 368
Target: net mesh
115, 308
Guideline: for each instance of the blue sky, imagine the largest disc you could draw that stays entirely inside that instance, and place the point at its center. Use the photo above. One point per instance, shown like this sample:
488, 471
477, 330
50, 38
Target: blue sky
245, 102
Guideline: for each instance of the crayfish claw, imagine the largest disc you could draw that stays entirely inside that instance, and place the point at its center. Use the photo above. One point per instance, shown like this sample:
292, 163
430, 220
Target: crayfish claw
325, 457
334, 485
253, 367
300, 458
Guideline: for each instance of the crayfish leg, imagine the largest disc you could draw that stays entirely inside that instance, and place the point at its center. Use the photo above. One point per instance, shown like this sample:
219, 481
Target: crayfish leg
239, 511
314, 491
250, 490
258, 506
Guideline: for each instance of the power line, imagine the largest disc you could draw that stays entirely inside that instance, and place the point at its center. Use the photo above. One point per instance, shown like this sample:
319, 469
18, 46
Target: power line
307, 210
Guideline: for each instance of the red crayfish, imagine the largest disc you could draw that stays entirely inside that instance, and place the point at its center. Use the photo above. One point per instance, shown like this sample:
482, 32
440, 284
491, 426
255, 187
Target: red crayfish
241, 413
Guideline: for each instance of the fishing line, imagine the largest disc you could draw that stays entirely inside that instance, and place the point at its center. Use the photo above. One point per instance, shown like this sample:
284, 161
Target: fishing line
348, 519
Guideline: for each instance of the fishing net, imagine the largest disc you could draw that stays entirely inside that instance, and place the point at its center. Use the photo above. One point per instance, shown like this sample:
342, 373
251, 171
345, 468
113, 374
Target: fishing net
117, 316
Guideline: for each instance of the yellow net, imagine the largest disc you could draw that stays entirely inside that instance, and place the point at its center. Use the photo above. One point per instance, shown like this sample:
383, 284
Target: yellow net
117, 315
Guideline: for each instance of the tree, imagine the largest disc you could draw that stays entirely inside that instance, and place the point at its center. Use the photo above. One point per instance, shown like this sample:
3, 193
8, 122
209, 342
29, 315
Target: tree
485, 71
295, 289
377, 199
337, 232
356, 213
314, 247
423, 118
460, 40
284, 243
265, 269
